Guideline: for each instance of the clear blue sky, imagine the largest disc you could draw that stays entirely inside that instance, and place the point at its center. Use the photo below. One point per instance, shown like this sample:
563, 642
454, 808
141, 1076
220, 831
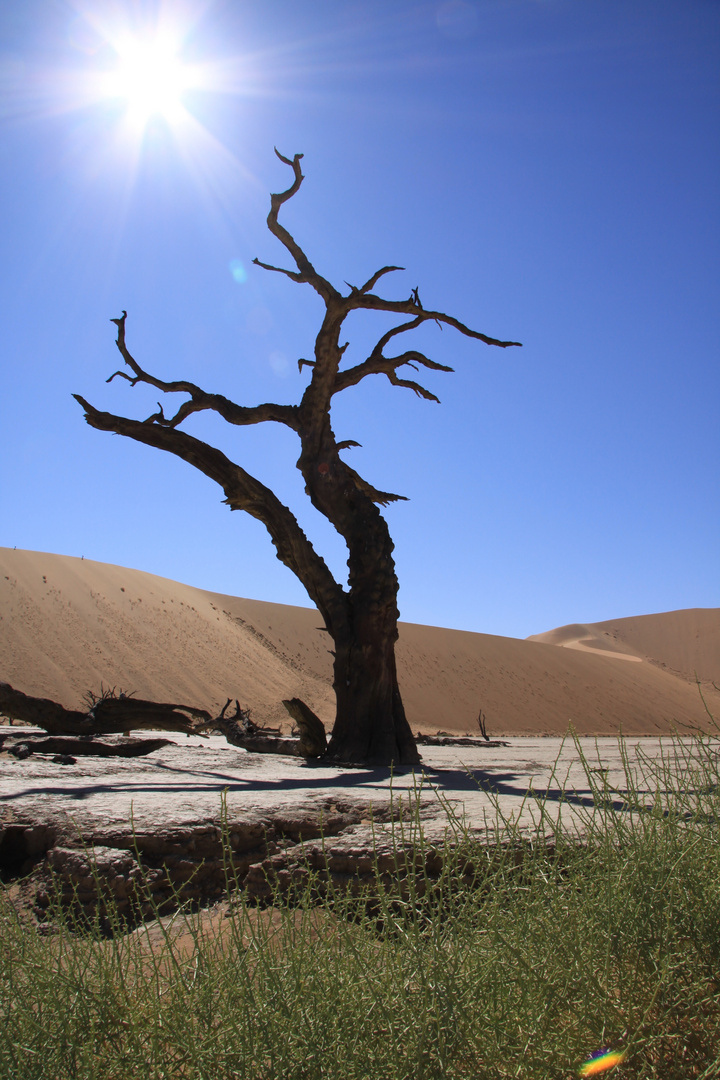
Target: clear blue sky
547, 171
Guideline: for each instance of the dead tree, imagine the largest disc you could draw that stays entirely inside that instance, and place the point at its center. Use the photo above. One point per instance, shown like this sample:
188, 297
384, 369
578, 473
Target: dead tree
106, 714
482, 724
370, 723
109, 713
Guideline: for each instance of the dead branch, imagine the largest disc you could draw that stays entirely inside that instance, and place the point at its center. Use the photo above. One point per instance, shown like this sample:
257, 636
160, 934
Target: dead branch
371, 282
457, 740
308, 272
383, 498
200, 400
281, 270
482, 725
410, 307
243, 492
379, 364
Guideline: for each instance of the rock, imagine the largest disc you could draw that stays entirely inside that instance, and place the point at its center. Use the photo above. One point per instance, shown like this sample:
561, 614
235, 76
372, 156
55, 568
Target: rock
21, 751
84, 866
92, 877
65, 759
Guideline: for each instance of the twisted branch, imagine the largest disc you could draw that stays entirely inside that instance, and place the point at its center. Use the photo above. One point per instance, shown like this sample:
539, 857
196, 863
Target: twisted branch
378, 364
382, 498
327, 379
243, 492
374, 280
308, 272
200, 400
371, 302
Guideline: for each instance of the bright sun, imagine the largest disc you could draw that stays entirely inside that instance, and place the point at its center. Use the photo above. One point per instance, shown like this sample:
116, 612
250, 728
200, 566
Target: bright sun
151, 79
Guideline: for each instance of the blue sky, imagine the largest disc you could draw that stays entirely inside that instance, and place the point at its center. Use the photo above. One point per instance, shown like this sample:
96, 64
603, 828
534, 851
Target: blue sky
546, 170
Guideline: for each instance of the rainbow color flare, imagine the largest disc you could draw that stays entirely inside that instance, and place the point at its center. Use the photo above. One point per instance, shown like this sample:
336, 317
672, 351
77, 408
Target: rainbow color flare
599, 1064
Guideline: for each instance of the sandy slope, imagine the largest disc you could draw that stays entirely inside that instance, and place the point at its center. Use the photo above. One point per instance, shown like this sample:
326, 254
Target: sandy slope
684, 642
67, 625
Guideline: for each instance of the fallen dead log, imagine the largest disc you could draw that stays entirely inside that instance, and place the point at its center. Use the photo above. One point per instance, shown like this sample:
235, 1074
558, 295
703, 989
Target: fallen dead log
107, 715
266, 744
117, 714
239, 730
83, 747
458, 740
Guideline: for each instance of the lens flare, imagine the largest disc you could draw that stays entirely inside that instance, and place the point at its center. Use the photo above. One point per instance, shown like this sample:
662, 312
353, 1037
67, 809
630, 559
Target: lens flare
238, 271
605, 1059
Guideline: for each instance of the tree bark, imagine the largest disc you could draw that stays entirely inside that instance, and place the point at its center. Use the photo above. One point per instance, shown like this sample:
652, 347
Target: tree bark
313, 740
370, 724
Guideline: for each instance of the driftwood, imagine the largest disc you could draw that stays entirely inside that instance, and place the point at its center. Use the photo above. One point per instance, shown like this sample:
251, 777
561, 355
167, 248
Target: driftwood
111, 714
239, 730
267, 744
444, 738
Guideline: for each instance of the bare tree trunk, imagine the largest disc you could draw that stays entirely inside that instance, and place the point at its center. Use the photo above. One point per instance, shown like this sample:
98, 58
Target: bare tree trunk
370, 725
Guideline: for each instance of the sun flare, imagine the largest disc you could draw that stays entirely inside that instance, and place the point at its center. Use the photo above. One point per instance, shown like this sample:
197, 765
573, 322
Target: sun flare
150, 79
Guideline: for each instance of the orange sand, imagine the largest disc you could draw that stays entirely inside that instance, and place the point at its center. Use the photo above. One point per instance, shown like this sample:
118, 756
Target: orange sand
67, 625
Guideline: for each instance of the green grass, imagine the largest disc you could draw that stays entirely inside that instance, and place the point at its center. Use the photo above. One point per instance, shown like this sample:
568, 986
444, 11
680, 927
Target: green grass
521, 960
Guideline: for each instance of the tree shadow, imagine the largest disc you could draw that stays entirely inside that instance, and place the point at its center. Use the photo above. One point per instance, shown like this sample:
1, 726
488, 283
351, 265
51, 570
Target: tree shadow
446, 782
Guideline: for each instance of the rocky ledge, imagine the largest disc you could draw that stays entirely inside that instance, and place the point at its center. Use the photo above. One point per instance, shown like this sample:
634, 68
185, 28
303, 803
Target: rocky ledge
343, 843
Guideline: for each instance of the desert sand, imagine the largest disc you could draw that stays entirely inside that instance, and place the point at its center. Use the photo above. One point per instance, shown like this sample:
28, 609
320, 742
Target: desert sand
68, 625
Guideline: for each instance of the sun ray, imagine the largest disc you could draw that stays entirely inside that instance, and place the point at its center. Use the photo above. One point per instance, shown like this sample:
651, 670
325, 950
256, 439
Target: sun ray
134, 90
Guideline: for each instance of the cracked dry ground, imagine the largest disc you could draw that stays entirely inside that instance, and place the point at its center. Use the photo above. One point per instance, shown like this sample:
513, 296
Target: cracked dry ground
198, 815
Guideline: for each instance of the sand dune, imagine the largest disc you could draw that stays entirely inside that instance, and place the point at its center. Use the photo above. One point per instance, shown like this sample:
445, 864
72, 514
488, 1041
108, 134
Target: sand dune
686, 643
67, 625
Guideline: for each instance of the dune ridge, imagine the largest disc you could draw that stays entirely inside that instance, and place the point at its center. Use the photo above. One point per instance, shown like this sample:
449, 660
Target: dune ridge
68, 624
686, 642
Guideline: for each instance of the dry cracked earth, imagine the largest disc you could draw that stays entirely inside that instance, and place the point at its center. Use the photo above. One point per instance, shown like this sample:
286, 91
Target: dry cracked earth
196, 814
